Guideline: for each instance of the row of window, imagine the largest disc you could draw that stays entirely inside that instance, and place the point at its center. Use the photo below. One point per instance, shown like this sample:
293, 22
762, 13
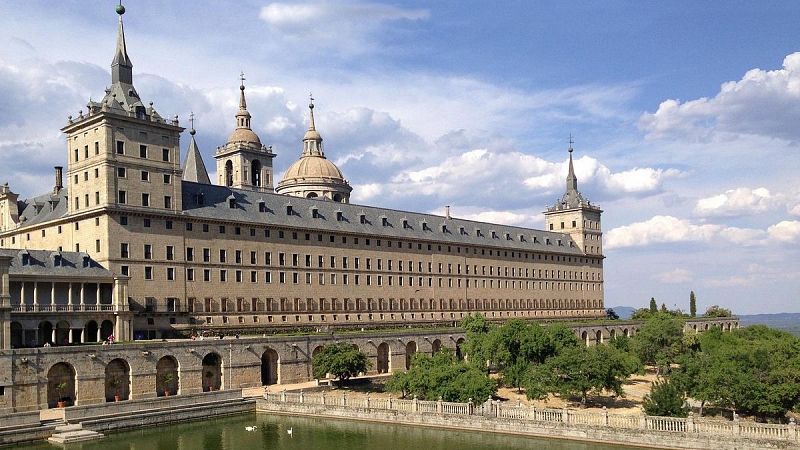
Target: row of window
122, 198
120, 149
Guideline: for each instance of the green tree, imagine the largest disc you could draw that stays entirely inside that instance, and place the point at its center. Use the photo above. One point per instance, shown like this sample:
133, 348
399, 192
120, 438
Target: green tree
716, 311
653, 305
659, 341
611, 314
343, 360
692, 304
441, 376
516, 374
665, 399
641, 314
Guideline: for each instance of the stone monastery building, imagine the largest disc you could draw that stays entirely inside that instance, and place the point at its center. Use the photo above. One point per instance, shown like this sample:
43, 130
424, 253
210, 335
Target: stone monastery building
130, 241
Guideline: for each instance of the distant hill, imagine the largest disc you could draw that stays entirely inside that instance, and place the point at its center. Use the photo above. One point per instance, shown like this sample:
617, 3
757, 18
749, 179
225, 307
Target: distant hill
784, 321
624, 312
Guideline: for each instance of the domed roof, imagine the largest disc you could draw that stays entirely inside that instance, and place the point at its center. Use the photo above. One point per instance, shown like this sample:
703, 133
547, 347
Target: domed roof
309, 167
244, 135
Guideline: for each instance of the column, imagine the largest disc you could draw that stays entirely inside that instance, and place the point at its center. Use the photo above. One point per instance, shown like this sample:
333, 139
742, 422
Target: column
52, 293
22, 294
69, 295
70, 334
35, 294
97, 339
53, 337
97, 297
81, 299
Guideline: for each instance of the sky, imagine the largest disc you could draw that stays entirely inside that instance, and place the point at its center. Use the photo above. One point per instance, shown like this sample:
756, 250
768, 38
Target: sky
684, 114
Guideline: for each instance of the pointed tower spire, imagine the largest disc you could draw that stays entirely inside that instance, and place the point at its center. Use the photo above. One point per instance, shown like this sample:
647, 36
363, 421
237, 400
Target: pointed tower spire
312, 141
243, 116
193, 167
311, 125
572, 181
121, 66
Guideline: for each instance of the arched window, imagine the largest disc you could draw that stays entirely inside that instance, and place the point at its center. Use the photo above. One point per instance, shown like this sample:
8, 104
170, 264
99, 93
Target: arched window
255, 173
229, 173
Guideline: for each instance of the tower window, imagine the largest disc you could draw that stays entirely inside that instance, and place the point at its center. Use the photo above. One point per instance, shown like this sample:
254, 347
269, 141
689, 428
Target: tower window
120, 147
145, 175
562, 225
165, 154
121, 172
143, 151
574, 224
551, 227
145, 199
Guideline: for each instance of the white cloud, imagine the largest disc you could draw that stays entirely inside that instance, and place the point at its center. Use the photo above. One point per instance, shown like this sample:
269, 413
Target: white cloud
735, 202
675, 276
762, 102
786, 231
669, 229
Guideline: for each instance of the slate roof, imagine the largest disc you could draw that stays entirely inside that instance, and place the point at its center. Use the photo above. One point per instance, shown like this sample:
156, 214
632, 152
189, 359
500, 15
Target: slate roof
43, 263
42, 208
204, 201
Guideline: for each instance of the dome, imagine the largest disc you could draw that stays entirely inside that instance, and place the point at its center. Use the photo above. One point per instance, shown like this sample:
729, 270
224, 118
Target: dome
244, 135
312, 167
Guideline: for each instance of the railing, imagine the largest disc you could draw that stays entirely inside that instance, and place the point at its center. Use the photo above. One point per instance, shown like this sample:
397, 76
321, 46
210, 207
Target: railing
492, 409
61, 308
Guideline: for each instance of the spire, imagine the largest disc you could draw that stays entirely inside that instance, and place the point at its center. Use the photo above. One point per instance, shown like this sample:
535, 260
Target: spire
121, 66
572, 181
193, 167
243, 116
312, 141
311, 125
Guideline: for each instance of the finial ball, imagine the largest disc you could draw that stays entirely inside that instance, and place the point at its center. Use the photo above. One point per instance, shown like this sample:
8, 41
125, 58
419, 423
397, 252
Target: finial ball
120, 9
192, 131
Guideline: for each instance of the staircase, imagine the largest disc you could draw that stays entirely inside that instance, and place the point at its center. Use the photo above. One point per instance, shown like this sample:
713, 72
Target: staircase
67, 434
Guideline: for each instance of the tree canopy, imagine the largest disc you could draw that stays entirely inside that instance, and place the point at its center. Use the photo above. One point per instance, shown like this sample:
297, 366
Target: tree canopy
343, 360
659, 341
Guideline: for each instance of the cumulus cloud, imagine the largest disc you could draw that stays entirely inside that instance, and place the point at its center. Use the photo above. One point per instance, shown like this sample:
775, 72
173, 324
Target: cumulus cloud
786, 231
675, 276
669, 229
762, 102
736, 202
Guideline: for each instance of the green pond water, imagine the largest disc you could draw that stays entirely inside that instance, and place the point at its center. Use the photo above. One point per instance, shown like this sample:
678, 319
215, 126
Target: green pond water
309, 433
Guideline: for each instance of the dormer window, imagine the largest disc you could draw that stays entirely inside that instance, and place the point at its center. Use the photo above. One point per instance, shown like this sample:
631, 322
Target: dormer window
315, 213
199, 198
87, 261
231, 202
571, 244
478, 232
548, 242
57, 260
508, 236
26, 258
362, 218
560, 244
494, 234
384, 221
289, 210
535, 239
339, 216
425, 226
262, 206
405, 224
444, 228
522, 238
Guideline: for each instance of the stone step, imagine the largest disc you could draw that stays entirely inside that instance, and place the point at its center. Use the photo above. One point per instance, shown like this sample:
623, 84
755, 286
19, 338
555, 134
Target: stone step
68, 428
74, 436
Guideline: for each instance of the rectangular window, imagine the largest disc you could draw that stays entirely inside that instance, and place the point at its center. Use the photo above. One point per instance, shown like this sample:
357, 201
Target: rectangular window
165, 154
206, 255
170, 253
190, 275
148, 251
123, 250
145, 175
170, 274
189, 254
167, 178
120, 147
167, 202
122, 197
121, 172
145, 199
96, 148
148, 273
142, 151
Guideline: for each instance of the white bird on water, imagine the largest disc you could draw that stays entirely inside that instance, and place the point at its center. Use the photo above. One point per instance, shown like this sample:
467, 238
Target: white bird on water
250, 428
290, 432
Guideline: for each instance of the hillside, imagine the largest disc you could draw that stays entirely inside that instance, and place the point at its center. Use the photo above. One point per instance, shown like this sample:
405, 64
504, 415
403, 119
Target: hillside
783, 321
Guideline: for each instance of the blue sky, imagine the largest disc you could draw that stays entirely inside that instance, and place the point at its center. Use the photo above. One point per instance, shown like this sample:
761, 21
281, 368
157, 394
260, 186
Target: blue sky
684, 114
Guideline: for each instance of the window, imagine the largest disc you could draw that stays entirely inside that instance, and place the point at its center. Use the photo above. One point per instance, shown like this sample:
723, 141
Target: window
120, 148
167, 202
125, 270
143, 151
148, 273
165, 154
148, 251
170, 274
206, 255
97, 198
96, 148
167, 178
189, 254
145, 199
146, 223
122, 197
223, 255
170, 253
123, 250
121, 172
76, 154
168, 224
145, 175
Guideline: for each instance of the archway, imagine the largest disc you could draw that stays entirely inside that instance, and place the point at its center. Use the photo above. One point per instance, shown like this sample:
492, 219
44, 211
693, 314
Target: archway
383, 358
212, 372
62, 333
255, 172
269, 367
337, 198
91, 332
167, 376
626, 333
612, 334
118, 380
411, 349
229, 173
599, 337
311, 195
61, 385
459, 350
585, 338
17, 335
436, 345
106, 329
45, 332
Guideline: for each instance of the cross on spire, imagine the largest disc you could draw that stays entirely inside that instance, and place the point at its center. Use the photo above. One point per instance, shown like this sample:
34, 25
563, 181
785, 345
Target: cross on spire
242, 78
191, 121
570, 142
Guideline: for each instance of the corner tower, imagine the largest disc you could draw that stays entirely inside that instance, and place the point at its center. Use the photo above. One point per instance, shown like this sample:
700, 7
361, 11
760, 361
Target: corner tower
121, 152
576, 216
313, 175
243, 162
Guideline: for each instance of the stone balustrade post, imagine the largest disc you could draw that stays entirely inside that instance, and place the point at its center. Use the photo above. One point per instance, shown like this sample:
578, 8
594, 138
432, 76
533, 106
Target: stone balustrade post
302, 396
415, 404
605, 416
368, 403
470, 407
439, 405
323, 398
344, 399
793, 431
283, 396
390, 403
643, 421
690, 423
565, 415
497, 408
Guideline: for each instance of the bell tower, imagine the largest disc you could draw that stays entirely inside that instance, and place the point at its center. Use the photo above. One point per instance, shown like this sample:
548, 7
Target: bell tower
576, 216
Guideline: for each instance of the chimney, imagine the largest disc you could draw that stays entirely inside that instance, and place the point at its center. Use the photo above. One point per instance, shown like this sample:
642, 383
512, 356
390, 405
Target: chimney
59, 180
447, 212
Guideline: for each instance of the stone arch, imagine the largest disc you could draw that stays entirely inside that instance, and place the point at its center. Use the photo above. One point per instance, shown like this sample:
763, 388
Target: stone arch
17, 335
312, 195
118, 380
167, 376
383, 359
585, 338
626, 333
436, 345
229, 173
255, 173
106, 329
411, 349
270, 363
459, 349
599, 336
612, 334
62, 333
90, 331
61, 385
45, 332
212, 372
338, 198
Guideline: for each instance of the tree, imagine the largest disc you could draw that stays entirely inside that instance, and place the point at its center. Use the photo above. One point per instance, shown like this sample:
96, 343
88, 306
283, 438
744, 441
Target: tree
577, 371
659, 341
515, 375
641, 314
692, 304
716, 311
611, 314
665, 399
343, 360
653, 305
441, 376
664, 308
